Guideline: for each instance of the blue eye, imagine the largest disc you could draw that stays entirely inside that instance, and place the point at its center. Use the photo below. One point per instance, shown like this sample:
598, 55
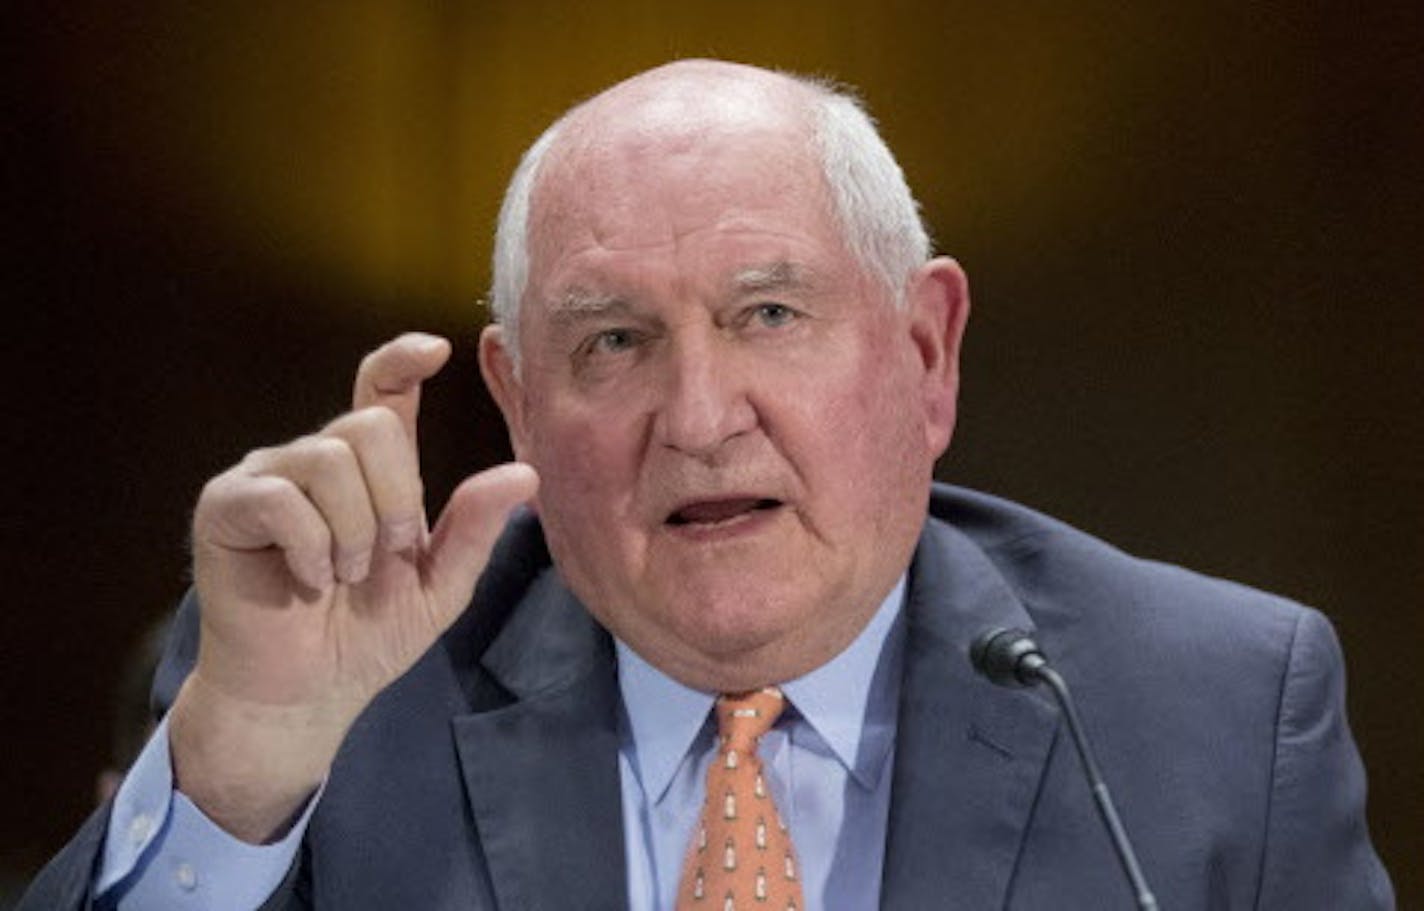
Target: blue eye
774, 315
613, 340
609, 341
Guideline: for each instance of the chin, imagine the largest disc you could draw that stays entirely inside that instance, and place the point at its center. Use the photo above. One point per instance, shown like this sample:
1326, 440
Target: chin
728, 624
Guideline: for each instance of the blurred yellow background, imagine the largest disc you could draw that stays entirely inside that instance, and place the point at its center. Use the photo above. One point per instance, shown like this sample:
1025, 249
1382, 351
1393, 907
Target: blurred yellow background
368, 142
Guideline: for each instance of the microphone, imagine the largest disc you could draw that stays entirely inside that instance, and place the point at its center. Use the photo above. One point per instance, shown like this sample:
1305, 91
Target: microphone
1010, 657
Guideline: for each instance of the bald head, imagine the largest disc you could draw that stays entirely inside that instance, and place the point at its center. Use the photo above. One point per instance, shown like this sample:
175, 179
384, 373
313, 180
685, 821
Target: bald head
677, 108
689, 97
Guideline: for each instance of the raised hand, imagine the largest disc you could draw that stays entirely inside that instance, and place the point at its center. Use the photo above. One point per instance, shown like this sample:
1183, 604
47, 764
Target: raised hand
320, 584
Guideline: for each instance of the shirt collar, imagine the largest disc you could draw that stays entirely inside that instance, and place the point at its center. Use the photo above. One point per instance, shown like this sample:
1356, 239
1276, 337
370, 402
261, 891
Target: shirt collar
850, 701
663, 718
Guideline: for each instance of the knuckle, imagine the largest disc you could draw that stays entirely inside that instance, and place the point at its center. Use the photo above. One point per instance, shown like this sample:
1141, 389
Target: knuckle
215, 487
269, 498
372, 365
369, 362
257, 459
327, 453
378, 420
210, 500
221, 491
366, 425
384, 418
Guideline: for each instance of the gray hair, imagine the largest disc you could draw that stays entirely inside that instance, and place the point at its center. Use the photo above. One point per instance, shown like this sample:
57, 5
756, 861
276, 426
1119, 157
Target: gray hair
879, 218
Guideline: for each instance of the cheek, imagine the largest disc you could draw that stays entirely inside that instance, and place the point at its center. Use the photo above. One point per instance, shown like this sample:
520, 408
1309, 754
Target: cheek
585, 462
869, 397
870, 430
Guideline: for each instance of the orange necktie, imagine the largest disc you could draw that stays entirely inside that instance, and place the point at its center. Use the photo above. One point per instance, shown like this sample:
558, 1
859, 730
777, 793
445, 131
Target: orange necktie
741, 857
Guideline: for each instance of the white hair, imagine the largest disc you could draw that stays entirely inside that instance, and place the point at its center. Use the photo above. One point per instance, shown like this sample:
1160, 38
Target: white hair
879, 218
511, 239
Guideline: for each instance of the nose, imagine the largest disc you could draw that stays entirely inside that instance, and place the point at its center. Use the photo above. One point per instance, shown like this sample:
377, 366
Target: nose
705, 401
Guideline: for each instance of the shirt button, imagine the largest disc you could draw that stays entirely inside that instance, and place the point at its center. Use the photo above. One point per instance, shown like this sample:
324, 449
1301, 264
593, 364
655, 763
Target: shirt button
186, 877
140, 828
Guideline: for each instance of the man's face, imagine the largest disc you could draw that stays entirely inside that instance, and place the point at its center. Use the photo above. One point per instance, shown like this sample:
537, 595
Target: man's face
733, 426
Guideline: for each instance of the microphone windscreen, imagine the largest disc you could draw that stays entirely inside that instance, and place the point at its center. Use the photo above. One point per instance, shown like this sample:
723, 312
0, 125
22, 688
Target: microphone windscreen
999, 653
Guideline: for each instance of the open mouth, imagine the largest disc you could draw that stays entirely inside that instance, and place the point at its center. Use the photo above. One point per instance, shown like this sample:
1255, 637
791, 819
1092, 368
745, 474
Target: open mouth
716, 512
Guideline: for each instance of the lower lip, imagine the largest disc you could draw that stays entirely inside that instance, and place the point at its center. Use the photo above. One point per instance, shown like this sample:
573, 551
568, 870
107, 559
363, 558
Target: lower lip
747, 523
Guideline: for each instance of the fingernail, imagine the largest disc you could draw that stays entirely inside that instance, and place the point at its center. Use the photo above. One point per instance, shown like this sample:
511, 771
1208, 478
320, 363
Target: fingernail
401, 535
319, 572
355, 566
427, 343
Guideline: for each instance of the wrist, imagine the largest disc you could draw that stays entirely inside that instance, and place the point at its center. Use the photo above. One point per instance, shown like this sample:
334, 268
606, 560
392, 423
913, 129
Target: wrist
250, 767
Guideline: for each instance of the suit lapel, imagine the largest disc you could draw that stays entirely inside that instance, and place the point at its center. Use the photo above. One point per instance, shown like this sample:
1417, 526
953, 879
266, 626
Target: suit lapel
969, 755
542, 778
541, 774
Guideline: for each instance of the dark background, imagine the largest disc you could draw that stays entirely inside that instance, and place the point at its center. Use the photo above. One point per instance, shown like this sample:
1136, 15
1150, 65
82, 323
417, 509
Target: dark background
1194, 237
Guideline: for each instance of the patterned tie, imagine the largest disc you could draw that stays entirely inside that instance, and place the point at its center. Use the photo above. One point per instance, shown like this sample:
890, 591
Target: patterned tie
741, 857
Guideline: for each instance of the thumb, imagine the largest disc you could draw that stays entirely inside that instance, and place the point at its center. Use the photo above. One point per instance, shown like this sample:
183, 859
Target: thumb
463, 537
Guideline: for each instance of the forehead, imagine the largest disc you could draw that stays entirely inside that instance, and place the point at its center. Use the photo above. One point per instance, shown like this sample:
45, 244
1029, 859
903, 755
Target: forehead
686, 170
729, 195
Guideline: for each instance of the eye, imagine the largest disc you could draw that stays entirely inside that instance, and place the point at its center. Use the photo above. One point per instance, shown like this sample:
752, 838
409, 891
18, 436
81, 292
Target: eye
773, 315
612, 340
608, 341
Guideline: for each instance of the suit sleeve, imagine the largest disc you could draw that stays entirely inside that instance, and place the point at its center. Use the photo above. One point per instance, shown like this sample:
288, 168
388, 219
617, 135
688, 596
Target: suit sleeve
1318, 852
67, 882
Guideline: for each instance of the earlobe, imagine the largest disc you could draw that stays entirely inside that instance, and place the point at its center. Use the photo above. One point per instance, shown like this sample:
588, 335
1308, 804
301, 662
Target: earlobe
502, 379
938, 301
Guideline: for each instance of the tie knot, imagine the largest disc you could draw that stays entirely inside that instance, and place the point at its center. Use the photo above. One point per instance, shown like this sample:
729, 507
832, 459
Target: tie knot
743, 717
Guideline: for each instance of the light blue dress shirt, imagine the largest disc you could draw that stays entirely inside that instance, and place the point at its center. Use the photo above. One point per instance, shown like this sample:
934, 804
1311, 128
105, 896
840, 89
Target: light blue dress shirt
162, 852
828, 761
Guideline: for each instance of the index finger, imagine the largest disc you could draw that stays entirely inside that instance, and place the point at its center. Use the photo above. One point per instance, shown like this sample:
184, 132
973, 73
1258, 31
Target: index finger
392, 374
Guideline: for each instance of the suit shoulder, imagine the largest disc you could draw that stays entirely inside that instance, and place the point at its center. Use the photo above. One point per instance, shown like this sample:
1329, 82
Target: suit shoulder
1078, 587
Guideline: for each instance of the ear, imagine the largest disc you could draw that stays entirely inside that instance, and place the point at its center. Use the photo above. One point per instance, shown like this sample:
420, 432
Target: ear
502, 380
937, 301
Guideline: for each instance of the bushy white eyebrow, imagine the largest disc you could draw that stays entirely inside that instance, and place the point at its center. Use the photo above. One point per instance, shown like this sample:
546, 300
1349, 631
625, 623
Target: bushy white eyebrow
577, 304
780, 276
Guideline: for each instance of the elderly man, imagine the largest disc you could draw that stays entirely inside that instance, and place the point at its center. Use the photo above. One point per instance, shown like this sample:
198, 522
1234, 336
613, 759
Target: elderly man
721, 659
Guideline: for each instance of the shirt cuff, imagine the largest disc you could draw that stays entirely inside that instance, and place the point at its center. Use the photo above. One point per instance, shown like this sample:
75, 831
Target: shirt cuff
162, 852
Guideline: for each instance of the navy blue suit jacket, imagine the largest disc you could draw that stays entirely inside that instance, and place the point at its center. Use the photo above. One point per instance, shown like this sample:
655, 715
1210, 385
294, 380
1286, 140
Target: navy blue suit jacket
487, 776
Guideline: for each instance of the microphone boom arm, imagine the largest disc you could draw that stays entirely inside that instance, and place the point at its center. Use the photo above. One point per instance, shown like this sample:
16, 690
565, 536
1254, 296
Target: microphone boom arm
1145, 899
1009, 657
